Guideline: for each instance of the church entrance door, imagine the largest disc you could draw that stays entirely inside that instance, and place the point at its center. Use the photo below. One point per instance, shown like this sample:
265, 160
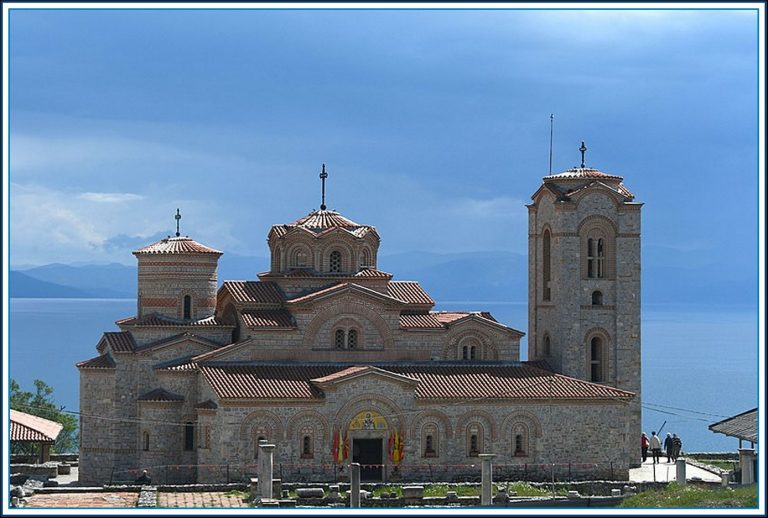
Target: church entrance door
369, 453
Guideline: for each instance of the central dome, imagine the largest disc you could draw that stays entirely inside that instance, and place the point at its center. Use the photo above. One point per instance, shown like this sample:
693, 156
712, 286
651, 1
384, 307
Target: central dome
325, 219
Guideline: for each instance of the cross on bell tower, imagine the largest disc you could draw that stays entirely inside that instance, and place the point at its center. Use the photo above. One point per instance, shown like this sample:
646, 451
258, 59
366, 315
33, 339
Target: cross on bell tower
583, 150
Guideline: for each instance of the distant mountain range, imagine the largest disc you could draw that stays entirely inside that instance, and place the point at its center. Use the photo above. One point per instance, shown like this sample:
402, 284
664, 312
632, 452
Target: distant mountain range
476, 276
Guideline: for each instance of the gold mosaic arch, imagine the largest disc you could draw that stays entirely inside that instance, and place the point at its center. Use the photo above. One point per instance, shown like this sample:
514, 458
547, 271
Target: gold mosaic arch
385, 407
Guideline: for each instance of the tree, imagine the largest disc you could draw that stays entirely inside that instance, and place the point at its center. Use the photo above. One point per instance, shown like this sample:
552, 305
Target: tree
42, 405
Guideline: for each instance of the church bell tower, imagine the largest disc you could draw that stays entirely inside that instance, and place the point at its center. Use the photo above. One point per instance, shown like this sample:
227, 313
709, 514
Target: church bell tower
584, 279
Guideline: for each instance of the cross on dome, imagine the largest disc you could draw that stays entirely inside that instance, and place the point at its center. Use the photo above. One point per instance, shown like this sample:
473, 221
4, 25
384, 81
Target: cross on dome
177, 217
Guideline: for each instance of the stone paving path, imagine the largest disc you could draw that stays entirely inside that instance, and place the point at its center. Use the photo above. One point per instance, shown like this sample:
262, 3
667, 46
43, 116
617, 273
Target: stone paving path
668, 473
199, 500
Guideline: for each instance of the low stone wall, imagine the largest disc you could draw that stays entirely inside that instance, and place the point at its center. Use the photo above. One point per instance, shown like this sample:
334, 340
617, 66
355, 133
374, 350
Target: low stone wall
49, 469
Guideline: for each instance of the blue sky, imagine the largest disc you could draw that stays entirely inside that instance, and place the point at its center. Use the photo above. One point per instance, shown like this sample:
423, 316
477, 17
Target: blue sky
434, 125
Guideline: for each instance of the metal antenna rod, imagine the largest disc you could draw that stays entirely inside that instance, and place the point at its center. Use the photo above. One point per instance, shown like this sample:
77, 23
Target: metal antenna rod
551, 134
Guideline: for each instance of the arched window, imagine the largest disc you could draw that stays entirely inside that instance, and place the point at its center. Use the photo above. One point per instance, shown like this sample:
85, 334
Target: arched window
187, 307
597, 298
300, 258
145, 441
596, 359
596, 258
306, 446
546, 346
189, 436
519, 450
547, 266
335, 261
474, 440
346, 338
365, 259
429, 440
470, 349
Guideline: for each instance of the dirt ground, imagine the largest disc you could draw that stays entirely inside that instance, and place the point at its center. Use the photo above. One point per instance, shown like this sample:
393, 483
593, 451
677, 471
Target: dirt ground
86, 500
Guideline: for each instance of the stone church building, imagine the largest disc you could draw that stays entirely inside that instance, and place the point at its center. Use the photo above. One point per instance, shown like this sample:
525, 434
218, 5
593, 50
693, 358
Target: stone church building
334, 361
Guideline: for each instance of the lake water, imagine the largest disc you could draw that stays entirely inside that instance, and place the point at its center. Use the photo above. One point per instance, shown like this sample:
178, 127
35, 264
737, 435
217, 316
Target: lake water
699, 363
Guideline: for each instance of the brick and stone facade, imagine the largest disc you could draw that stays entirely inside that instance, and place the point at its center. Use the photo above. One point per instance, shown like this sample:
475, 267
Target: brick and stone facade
334, 361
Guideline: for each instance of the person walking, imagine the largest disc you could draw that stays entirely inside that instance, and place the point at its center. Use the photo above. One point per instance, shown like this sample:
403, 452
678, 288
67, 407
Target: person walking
669, 448
655, 447
677, 444
644, 446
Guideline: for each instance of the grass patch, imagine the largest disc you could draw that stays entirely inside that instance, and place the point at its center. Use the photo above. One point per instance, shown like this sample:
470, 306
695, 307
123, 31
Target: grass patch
387, 490
524, 489
237, 494
689, 496
442, 490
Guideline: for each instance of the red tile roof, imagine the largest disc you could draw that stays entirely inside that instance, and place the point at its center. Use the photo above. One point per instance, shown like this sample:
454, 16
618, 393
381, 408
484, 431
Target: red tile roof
341, 287
176, 245
420, 322
341, 374
271, 319
265, 381
207, 405
31, 428
370, 272
176, 338
484, 382
455, 381
582, 172
160, 394
254, 292
157, 320
119, 342
448, 317
410, 292
322, 219
104, 361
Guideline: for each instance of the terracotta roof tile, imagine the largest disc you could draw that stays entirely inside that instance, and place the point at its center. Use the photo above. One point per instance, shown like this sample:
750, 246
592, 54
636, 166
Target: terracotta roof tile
157, 320
254, 292
410, 292
271, 319
455, 381
104, 361
321, 222
582, 172
322, 219
176, 338
420, 322
370, 272
176, 245
265, 381
28, 427
160, 394
119, 342
341, 374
